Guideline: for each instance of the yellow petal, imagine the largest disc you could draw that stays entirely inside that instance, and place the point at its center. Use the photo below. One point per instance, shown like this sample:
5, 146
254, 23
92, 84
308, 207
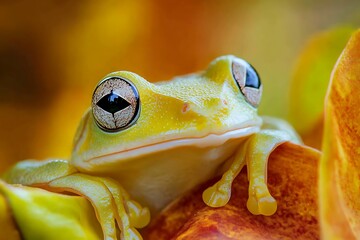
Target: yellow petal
310, 81
340, 164
40, 214
7, 223
292, 177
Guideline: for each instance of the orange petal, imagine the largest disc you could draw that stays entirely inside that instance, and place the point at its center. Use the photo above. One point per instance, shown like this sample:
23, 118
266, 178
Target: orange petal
340, 164
310, 81
292, 180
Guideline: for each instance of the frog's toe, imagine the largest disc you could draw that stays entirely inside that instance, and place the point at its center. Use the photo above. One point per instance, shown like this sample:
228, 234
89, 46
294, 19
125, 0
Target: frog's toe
130, 214
216, 195
139, 216
261, 202
131, 234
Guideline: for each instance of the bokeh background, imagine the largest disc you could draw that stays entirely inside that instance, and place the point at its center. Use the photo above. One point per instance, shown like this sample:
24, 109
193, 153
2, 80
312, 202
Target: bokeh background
52, 54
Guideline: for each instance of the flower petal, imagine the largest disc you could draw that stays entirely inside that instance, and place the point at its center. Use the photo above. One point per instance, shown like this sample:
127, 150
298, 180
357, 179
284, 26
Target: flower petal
340, 164
292, 176
7, 223
310, 81
40, 214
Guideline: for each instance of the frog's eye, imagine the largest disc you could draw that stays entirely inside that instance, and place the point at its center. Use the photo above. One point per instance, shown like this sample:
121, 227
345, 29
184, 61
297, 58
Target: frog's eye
115, 104
248, 81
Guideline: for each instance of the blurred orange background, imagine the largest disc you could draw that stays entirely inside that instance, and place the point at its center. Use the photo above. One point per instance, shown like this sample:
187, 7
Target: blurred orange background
53, 53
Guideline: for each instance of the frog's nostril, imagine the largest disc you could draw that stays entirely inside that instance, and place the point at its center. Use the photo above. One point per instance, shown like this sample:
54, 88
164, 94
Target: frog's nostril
185, 108
224, 102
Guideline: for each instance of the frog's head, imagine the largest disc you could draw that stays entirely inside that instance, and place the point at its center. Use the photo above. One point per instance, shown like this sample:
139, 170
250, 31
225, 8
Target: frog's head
130, 116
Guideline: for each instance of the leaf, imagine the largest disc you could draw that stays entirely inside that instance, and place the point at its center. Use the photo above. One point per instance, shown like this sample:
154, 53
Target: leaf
340, 164
310, 81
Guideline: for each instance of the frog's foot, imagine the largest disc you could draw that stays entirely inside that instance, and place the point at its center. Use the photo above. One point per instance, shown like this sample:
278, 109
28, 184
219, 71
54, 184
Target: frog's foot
260, 200
109, 199
138, 216
260, 146
110, 202
217, 195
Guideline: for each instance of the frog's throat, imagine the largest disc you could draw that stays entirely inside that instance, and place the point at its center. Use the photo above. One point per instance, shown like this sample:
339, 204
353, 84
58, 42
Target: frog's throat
202, 142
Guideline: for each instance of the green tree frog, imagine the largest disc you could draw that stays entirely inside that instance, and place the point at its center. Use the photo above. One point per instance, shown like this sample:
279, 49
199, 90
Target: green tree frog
151, 142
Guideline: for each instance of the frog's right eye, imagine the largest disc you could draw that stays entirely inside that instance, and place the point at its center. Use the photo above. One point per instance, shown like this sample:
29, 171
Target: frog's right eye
248, 81
115, 104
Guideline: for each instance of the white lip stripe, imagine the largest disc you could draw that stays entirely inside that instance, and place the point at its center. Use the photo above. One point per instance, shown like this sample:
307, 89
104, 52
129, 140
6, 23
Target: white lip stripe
209, 140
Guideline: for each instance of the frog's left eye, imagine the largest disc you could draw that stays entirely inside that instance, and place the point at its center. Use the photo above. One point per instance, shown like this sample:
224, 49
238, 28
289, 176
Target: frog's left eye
248, 81
115, 104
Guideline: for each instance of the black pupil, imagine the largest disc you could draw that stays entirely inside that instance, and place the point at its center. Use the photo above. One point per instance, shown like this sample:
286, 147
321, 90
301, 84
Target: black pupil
252, 78
112, 103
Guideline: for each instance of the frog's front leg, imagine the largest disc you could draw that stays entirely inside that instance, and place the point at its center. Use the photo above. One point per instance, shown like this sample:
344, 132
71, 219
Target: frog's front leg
109, 199
254, 153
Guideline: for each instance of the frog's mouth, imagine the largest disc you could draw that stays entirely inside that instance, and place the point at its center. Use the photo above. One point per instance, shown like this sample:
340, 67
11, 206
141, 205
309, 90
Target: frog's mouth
201, 142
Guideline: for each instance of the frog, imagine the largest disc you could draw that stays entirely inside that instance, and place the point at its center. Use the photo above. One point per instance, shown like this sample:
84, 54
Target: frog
142, 144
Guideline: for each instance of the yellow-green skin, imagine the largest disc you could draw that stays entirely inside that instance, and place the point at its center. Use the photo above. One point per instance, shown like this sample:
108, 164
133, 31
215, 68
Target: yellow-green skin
189, 130
163, 119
